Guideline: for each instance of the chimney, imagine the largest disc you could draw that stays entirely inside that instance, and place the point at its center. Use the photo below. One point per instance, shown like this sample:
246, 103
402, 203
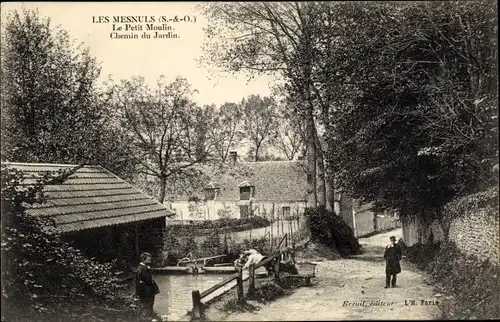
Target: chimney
234, 156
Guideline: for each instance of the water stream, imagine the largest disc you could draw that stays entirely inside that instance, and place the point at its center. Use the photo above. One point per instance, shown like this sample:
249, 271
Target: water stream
175, 298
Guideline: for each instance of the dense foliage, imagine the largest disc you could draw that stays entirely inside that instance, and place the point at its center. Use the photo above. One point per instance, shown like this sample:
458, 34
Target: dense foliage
52, 110
39, 270
472, 284
420, 125
403, 95
254, 222
331, 230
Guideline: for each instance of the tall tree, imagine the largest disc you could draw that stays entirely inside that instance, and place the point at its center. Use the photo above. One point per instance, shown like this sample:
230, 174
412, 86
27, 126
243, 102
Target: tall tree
269, 38
226, 131
259, 122
289, 133
51, 108
167, 130
419, 128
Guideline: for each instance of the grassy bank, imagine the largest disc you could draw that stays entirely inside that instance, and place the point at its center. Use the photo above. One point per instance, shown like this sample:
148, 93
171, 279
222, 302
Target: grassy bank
473, 285
266, 290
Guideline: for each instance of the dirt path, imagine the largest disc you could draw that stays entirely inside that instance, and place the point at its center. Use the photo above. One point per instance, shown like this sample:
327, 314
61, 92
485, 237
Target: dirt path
341, 287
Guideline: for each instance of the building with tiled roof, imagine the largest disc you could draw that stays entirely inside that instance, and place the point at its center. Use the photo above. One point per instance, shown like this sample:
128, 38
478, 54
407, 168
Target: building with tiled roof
266, 188
91, 202
273, 189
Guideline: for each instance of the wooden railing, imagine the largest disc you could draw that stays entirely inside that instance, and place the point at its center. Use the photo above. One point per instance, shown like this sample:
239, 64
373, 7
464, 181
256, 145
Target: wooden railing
197, 296
276, 257
196, 260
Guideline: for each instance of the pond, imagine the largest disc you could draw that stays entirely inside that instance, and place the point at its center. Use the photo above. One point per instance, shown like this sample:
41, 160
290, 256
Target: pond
175, 298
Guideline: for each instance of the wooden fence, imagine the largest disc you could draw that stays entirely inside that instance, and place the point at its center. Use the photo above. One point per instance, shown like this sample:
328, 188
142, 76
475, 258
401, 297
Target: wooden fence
198, 296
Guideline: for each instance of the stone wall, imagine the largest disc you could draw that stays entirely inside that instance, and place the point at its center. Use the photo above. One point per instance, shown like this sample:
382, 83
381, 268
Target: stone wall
475, 233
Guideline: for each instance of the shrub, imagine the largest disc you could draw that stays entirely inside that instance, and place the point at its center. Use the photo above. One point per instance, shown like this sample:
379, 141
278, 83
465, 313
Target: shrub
252, 222
212, 245
473, 283
39, 270
267, 292
188, 245
235, 306
260, 244
422, 255
331, 230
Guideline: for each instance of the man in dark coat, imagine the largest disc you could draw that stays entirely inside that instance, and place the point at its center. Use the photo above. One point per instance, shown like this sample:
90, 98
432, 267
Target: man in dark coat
145, 286
392, 257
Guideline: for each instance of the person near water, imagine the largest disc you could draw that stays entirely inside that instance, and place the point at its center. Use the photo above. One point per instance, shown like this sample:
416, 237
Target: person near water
288, 264
145, 287
392, 256
239, 262
254, 257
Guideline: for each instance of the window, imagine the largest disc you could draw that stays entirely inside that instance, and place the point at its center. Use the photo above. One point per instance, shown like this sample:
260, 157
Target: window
210, 194
245, 193
286, 212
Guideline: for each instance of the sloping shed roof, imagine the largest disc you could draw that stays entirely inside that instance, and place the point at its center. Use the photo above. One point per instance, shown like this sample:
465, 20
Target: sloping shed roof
91, 197
278, 181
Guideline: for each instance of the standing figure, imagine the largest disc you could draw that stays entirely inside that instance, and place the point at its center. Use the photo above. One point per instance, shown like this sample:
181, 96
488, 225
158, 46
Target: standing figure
288, 264
145, 287
392, 257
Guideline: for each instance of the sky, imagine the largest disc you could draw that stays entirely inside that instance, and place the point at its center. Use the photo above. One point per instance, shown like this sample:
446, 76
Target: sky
150, 58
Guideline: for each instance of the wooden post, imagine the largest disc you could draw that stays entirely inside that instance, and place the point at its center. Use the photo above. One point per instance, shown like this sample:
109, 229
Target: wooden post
282, 219
196, 304
277, 266
272, 223
290, 230
251, 279
239, 285
277, 226
137, 238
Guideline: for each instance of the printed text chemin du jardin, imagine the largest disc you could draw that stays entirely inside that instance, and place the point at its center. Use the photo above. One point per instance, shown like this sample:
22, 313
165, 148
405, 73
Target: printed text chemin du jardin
144, 27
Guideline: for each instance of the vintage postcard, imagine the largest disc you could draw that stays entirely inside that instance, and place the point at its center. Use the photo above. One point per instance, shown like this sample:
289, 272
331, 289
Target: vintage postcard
249, 161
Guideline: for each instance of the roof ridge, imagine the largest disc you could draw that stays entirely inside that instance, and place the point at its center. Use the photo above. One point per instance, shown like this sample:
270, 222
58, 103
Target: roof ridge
270, 161
50, 164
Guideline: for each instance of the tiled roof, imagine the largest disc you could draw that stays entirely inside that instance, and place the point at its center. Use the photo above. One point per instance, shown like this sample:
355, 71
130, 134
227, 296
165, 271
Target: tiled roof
273, 181
91, 197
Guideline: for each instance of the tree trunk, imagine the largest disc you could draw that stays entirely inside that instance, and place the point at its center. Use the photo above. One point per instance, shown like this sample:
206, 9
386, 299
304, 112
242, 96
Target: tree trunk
311, 160
257, 148
329, 165
336, 202
320, 167
330, 181
329, 188
163, 187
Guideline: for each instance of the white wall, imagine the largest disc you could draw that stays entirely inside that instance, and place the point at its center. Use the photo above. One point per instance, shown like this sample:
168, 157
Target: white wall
211, 210
415, 231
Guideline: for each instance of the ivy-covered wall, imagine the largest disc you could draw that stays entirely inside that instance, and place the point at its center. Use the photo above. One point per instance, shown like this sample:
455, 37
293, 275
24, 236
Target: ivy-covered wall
472, 223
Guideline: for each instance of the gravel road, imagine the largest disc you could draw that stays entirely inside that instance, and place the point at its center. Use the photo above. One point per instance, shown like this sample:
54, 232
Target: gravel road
353, 289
